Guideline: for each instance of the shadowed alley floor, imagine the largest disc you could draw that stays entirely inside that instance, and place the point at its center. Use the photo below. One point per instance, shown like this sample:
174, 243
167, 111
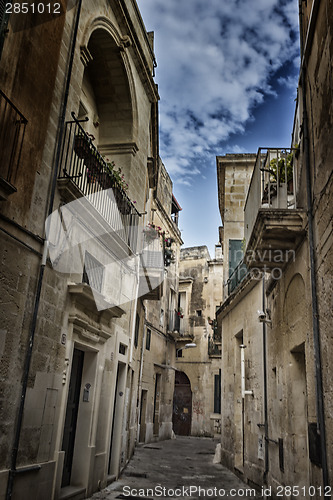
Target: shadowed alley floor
178, 468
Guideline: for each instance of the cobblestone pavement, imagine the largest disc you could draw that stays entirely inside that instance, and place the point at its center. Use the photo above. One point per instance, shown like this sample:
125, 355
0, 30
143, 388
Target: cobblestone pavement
178, 468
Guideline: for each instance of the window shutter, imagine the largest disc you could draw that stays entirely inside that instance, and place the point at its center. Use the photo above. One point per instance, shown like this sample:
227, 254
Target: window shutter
235, 254
4, 18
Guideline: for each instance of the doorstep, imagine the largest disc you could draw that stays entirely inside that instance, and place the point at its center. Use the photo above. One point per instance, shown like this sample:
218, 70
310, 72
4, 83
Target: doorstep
72, 493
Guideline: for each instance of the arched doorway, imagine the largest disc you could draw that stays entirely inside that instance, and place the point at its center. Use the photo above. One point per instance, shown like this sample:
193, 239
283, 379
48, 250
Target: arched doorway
182, 405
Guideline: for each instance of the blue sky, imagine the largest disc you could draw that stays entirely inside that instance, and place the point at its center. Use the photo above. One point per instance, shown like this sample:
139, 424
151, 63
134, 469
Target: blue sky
227, 75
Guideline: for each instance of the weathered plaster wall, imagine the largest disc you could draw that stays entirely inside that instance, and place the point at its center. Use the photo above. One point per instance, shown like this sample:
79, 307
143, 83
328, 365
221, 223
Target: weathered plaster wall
201, 280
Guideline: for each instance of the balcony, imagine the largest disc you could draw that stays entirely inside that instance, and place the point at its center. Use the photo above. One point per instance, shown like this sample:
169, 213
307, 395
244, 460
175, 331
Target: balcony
181, 330
85, 173
12, 130
273, 224
215, 343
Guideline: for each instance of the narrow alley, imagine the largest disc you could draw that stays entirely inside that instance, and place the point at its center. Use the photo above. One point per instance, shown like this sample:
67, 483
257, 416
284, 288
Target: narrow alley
177, 468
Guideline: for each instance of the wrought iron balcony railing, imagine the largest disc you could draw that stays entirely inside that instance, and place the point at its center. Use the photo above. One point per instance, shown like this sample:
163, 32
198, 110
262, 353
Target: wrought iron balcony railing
273, 184
237, 276
214, 348
184, 326
12, 130
83, 165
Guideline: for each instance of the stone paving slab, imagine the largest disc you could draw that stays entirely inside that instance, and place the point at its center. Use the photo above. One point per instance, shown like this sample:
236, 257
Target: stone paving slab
176, 469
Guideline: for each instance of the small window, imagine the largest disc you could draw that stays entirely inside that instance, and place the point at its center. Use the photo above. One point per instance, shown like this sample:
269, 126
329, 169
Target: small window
137, 327
148, 339
83, 112
162, 318
122, 349
199, 313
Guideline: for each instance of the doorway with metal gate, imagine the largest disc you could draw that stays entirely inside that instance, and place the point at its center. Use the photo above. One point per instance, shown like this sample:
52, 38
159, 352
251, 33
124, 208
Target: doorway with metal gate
182, 405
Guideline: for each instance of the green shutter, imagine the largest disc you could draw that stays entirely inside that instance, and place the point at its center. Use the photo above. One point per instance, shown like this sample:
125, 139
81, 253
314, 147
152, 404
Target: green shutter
3, 22
235, 254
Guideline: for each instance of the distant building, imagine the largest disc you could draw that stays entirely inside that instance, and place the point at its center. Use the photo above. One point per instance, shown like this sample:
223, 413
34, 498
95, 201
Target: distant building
196, 409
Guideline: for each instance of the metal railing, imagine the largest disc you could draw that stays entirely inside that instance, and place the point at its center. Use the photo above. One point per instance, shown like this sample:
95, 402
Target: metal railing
82, 163
273, 184
12, 130
184, 326
237, 276
214, 348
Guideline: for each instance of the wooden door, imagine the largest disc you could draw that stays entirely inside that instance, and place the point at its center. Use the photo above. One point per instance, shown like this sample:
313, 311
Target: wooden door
182, 405
72, 409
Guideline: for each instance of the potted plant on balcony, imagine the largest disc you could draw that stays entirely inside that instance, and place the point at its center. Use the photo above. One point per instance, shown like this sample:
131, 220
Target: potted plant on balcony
282, 170
151, 232
82, 143
180, 312
94, 165
116, 180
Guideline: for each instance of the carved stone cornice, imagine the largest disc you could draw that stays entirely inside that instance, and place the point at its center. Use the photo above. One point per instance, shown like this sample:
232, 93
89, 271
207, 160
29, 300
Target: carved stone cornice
120, 148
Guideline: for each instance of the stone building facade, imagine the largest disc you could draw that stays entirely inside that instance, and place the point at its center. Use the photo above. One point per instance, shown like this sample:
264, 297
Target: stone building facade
158, 350
279, 328
197, 389
80, 178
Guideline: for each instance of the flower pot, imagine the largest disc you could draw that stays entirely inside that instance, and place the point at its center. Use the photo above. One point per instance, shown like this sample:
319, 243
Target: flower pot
93, 165
107, 181
81, 146
91, 176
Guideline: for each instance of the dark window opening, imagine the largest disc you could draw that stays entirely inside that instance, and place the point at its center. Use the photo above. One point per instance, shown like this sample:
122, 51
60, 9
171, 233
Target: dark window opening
122, 349
199, 313
136, 334
217, 393
314, 444
148, 339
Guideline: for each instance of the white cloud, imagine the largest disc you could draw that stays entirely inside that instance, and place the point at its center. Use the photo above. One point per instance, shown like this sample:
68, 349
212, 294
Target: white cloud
215, 59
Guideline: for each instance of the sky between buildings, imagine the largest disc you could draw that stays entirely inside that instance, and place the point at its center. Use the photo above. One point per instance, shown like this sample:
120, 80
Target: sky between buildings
227, 75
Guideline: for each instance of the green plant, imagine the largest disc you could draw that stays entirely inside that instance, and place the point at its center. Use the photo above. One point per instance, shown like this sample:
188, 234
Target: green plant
278, 168
116, 173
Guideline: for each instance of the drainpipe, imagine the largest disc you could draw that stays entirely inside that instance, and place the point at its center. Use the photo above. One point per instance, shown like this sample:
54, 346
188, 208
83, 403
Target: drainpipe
264, 350
315, 312
244, 393
12, 471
